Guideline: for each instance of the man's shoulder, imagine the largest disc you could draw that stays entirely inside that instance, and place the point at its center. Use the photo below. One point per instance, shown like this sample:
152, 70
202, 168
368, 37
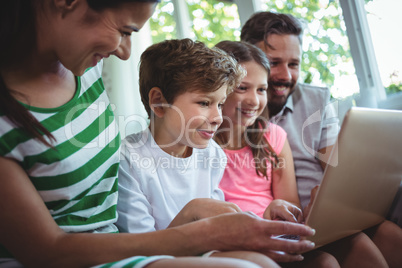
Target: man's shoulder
311, 95
312, 89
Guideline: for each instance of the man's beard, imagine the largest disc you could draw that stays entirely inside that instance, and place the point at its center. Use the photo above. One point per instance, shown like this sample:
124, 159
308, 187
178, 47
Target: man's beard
275, 107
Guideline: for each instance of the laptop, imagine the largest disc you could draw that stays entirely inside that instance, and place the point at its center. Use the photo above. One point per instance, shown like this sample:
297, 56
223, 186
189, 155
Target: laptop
362, 177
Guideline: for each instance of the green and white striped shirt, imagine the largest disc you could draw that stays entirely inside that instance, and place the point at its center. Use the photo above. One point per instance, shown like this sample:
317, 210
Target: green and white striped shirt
77, 178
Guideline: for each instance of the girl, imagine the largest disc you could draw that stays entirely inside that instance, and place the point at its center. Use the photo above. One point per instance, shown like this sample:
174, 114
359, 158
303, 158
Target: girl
259, 176
255, 149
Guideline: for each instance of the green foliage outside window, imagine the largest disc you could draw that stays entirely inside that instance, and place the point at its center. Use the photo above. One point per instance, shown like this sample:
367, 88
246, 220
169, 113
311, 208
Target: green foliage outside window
325, 45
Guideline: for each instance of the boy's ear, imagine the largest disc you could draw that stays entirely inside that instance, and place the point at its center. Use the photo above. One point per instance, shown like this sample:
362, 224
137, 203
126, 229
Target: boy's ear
157, 101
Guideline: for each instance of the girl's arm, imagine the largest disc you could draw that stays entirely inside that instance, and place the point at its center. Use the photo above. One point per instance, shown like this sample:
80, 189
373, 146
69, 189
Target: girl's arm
286, 203
29, 232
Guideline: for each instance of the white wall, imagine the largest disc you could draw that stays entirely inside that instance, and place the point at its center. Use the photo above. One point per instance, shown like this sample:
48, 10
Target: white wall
121, 81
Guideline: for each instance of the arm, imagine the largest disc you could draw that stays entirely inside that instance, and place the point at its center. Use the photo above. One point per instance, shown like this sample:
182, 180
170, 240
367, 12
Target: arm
286, 204
201, 208
27, 230
329, 133
324, 154
133, 208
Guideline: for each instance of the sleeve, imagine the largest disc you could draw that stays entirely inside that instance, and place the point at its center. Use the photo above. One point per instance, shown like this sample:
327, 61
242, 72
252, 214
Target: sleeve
134, 262
133, 208
276, 137
330, 125
217, 165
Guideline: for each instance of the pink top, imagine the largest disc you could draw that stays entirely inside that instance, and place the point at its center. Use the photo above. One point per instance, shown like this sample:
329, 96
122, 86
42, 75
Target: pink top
240, 182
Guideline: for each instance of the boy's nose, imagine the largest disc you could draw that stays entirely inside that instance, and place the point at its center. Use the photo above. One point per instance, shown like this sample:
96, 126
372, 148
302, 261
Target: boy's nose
216, 116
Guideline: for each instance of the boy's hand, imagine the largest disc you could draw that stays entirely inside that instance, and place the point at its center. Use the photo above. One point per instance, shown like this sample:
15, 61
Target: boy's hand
280, 209
201, 208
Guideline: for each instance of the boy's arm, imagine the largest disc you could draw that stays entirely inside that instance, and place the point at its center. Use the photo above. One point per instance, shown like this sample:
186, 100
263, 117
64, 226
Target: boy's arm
133, 208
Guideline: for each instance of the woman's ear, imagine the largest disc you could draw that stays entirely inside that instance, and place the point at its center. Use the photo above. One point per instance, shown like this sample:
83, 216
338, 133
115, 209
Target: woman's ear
66, 5
157, 101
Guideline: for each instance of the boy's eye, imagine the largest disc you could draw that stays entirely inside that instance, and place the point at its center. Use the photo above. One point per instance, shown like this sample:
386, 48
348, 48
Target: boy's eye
242, 88
203, 103
262, 89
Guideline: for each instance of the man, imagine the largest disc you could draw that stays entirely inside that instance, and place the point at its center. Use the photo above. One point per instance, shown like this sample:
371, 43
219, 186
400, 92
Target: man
304, 111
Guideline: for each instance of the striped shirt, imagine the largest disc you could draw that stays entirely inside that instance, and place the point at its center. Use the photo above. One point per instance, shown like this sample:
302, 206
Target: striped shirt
77, 178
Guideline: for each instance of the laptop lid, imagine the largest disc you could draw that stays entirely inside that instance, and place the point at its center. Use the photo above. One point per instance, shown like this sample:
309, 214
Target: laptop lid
362, 177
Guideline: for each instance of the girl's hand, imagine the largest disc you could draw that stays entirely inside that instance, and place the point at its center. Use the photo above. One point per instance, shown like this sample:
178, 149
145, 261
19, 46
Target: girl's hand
201, 208
280, 209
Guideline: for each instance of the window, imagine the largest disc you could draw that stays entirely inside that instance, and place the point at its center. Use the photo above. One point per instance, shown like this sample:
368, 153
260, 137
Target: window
206, 21
326, 61
384, 18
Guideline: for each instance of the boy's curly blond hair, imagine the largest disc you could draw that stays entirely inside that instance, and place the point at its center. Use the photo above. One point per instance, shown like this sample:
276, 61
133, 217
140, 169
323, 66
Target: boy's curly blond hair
178, 66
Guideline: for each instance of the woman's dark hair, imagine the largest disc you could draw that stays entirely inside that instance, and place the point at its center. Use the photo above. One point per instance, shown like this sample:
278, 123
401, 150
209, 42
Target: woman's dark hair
17, 42
102, 4
262, 151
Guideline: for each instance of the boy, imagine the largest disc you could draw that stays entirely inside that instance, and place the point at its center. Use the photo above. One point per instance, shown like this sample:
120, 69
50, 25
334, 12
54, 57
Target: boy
183, 86
169, 173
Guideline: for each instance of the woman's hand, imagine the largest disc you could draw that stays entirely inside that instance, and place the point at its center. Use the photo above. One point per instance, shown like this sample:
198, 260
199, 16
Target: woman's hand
280, 209
201, 208
246, 231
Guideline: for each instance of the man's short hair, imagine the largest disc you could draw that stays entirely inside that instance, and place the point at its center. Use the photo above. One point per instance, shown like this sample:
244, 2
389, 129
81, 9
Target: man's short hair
179, 66
263, 24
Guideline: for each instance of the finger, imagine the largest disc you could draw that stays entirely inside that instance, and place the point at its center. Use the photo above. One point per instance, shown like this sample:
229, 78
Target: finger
281, 227
290, 246
235, 207
287, 215
250, 213
279, 256
299, 214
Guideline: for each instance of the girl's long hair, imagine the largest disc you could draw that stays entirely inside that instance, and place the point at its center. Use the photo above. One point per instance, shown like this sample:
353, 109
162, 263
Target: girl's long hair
263, 152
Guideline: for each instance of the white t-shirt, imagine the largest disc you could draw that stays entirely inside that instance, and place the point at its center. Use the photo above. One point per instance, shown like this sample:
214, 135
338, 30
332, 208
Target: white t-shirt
154, 185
